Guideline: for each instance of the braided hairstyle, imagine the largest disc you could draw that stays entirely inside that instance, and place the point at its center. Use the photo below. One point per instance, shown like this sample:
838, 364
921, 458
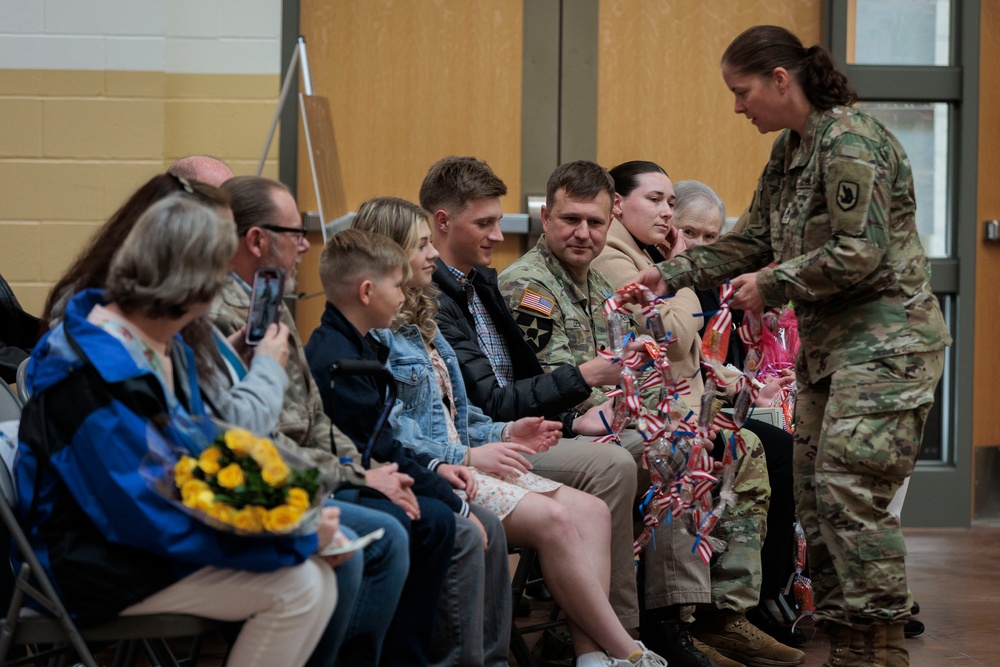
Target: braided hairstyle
760, 49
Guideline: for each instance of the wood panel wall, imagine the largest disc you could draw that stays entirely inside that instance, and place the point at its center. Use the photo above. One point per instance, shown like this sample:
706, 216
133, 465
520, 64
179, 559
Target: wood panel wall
661, 94
986, 417
409, 82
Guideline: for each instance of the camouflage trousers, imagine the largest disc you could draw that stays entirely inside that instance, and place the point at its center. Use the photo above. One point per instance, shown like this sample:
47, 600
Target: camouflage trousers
736, 573
857, 434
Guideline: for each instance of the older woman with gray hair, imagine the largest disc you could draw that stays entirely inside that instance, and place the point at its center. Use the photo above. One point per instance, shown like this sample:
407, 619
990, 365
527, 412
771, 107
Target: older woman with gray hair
104, 386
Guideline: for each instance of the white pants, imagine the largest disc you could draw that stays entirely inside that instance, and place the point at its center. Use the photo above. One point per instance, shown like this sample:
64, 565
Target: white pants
286, 610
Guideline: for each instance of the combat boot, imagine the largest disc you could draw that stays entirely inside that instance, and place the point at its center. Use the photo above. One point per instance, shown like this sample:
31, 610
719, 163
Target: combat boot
872, 635
672, 640
732, 635
842, 654
718, 660
895, 653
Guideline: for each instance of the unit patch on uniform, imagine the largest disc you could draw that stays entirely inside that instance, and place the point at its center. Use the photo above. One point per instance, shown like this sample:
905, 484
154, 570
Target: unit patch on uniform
537, 302
847, 195
536, 331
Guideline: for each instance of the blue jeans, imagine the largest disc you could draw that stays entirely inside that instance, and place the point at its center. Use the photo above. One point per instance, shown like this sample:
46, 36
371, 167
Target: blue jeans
368, 590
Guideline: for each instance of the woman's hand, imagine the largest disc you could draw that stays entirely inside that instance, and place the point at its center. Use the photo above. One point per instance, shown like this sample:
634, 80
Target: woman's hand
674, 243
772, 388
746, 296
537, 433
460, 477
274, 344
501, 458
651, 278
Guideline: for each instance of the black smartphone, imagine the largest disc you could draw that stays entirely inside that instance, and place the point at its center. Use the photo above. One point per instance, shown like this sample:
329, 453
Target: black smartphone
265, 302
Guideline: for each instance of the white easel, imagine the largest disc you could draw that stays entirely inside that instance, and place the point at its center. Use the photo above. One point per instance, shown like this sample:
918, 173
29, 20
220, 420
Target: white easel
318, 128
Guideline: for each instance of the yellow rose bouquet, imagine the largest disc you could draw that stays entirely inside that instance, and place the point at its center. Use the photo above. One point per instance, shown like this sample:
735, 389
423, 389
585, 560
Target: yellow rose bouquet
247, 485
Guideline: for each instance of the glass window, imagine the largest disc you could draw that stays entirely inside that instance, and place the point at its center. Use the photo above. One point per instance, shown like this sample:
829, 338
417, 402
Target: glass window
901, 32
922, 129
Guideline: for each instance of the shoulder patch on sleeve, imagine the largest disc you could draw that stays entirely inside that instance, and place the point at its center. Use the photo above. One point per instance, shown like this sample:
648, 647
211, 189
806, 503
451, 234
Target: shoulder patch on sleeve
849, 191
534, 301
536, 331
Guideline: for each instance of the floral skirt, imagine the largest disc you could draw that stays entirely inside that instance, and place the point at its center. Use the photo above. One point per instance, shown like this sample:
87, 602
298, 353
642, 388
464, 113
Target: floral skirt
501, 495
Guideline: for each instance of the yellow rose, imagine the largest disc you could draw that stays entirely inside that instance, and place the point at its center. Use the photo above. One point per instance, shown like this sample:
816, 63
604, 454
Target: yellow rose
231, 477
183, 470
222, 512
194, 490
282, 519
240, 441
248, 519
264, 452
275, 473
209, 460
298, 498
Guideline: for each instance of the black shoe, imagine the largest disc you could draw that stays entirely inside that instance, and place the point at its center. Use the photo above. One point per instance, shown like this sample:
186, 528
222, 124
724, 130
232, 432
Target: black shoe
915, 609
536, 590
523, 608
765, 621
913, 628
672, 640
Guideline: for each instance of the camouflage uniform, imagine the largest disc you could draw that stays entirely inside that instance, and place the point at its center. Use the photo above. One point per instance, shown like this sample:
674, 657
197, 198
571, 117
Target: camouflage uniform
303, 427
563, 322
834, 211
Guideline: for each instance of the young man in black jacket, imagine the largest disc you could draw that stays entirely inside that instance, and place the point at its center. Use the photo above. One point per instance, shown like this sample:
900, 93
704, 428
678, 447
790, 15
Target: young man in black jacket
504, 378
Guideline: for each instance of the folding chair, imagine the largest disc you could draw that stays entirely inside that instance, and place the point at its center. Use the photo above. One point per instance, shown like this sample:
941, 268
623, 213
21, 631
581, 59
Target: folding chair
26, 627
10, 404
520, 581
22, 387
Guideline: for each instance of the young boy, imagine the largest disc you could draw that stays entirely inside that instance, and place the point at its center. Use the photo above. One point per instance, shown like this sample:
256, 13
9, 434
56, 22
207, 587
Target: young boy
363, 276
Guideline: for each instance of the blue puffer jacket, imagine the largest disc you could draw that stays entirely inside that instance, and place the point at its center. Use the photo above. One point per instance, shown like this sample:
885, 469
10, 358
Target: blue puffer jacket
106, 537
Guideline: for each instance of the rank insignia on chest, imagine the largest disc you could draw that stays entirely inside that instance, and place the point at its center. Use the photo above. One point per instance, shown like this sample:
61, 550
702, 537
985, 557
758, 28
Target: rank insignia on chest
847, 195
536, 331
537, 302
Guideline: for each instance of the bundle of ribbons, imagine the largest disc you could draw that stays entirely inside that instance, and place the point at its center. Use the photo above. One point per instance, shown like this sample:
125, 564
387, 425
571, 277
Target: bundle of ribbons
676, 444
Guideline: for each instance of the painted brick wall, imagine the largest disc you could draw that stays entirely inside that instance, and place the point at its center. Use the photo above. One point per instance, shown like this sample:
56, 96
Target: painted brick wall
98, 96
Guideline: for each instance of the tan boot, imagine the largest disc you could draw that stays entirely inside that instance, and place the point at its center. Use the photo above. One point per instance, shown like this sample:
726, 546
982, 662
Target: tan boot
895, 653
732, 635
872, 635
841, 653
717, 658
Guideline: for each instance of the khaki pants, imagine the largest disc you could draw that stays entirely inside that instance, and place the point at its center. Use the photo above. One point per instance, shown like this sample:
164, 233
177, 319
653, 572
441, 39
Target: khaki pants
286, 611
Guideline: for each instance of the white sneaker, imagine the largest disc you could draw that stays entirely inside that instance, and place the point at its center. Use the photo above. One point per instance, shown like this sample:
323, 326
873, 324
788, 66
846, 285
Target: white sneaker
647, 659
596, 659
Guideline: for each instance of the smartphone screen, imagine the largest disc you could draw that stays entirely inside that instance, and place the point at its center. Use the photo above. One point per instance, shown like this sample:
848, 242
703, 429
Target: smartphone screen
265, 302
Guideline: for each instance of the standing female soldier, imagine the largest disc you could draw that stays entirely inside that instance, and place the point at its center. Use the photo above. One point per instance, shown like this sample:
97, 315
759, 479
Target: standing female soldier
831, 228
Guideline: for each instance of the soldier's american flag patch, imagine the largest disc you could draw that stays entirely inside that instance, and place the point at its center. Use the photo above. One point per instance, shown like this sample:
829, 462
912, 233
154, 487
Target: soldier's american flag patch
537, 302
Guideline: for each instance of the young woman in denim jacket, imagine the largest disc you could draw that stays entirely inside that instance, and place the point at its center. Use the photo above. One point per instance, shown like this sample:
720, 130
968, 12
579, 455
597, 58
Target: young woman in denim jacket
570, 530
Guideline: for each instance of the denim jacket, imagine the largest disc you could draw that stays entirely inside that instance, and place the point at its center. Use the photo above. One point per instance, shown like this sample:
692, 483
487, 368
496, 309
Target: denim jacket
418, 418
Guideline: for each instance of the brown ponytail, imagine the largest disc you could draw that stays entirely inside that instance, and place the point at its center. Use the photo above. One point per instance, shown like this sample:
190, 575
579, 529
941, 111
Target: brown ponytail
761, 49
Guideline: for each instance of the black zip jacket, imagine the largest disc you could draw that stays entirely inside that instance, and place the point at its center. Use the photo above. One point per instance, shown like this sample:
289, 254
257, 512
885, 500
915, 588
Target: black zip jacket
533, 392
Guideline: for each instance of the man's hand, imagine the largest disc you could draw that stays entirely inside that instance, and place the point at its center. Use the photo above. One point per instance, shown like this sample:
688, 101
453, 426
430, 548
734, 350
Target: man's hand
460, 477
329, 533
274, 344
501, 458
600, 372
395, 486
537, 433
746, 296
475, 520
589, 423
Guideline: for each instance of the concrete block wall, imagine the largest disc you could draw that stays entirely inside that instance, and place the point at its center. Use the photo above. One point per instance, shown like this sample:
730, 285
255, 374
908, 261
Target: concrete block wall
98, 96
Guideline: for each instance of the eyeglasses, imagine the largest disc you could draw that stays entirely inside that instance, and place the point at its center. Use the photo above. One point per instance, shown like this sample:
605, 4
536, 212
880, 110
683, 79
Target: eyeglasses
300, 232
